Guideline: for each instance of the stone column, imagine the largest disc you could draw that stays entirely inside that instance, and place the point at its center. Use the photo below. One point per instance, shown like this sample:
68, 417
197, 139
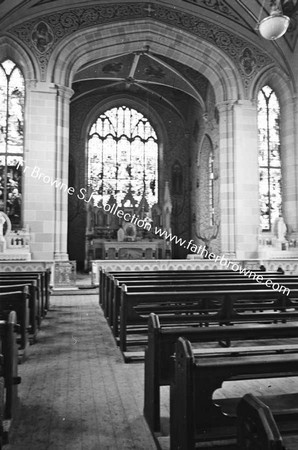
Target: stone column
289, 164
246, 173
226, 179
46, 169
61, 172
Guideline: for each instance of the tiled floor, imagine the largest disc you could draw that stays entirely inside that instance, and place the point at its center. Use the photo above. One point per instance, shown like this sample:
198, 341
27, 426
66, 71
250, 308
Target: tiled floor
76, 392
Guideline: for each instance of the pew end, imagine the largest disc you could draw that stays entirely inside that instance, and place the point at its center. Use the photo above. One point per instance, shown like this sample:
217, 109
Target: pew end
256, 427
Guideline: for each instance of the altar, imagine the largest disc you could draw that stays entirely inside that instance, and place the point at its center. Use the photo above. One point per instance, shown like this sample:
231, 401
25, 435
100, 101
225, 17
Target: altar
126, 230
143, 249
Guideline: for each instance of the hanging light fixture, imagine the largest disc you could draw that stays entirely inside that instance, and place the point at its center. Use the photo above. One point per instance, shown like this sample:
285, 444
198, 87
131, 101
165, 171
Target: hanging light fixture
275, 25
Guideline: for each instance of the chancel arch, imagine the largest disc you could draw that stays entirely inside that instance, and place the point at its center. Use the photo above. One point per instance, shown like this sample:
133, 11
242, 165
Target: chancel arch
94, 44
83, 50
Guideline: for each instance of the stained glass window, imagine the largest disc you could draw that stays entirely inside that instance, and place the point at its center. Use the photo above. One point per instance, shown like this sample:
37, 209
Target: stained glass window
123, 157
211, 187
12, 95
270, 194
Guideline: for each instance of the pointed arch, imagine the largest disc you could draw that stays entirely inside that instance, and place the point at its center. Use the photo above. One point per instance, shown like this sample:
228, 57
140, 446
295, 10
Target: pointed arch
270, 181
94, 43
123, 158
12, 103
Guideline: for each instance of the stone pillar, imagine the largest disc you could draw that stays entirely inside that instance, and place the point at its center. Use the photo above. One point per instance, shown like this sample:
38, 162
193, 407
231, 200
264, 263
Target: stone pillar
289, 161
246, 176
226, 179
61, 172
46, 169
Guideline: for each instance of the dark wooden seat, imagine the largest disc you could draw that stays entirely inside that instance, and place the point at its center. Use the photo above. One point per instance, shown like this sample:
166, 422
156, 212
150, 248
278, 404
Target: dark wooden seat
159, 355
203, 307
17, 301
9, 378
196, 417
34, 303
106, 291
111, 304
107, 278
257, 428
112, 311
43, 278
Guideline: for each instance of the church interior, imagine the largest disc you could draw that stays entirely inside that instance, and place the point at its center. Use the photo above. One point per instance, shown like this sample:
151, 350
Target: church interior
148, 224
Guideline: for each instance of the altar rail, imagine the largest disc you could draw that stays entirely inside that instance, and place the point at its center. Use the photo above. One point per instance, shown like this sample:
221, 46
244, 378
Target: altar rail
289, 265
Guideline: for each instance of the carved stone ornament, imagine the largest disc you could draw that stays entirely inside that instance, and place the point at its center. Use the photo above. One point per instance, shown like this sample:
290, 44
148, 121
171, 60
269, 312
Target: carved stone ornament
42, 37
44, 33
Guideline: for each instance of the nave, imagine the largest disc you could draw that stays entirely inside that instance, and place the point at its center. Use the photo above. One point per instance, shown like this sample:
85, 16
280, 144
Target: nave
76, 392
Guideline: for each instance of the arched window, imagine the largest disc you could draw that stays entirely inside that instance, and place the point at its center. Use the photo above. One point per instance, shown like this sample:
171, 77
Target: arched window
270, 194
12, 96
123, 157
211, 186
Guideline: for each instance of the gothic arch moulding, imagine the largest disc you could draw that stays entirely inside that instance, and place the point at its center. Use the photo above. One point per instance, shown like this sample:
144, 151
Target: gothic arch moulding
279, 82
10, 49
126, 38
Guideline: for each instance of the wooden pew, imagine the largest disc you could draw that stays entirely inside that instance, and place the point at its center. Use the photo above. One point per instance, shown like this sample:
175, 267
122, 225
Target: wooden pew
108, 279
43, 278
17, 301
203, 307
113, 296
9, 378
113, 310
28, 279
257, 428
159, 361
196, 417
34, 305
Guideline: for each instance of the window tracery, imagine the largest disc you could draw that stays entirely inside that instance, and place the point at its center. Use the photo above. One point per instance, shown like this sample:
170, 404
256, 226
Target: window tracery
211, 187
270, 189
123, 157
12, 99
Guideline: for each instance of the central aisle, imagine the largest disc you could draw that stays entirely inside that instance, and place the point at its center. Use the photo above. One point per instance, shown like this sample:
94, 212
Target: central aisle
76, 392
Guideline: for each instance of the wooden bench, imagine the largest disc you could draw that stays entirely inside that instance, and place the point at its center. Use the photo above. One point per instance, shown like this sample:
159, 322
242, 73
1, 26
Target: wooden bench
17, 301
203, 307
113, 307
257, 427
34, 303
111, 281
107, 278
159, 361
131, 278
28, 279
196, 417
43, 279
9, 378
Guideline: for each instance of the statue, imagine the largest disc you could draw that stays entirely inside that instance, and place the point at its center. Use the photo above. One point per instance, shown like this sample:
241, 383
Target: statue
167, 208
4, 219
280, 229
